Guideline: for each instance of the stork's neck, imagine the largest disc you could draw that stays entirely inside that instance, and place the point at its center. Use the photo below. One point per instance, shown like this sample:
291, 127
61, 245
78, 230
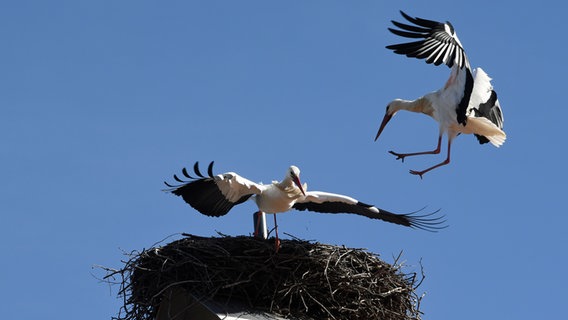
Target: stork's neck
288, 187
420, 105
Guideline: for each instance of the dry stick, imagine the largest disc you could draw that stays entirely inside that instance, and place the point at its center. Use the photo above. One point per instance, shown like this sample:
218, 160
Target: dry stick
320, 304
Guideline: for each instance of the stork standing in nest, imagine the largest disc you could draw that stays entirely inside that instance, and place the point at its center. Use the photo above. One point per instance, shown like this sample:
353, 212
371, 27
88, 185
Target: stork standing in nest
215, 195
466, 104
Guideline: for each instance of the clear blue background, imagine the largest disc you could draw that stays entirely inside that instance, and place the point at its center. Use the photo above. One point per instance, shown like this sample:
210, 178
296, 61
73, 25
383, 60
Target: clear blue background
101, 101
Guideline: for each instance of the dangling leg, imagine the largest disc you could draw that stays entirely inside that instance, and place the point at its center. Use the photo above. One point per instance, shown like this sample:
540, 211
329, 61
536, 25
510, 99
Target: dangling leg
401, 156
277, 240
443, 163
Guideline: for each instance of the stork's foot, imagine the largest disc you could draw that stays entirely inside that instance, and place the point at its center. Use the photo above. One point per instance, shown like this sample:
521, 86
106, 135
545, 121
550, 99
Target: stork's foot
276, 245
399, 156
417, 173
421, 173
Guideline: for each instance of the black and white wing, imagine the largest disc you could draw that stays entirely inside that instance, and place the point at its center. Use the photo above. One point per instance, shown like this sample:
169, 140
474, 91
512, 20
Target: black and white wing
213, 195
484, 106
440, 42
326, 202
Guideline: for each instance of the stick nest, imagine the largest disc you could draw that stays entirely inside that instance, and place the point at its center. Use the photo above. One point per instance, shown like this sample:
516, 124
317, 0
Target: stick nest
303, 280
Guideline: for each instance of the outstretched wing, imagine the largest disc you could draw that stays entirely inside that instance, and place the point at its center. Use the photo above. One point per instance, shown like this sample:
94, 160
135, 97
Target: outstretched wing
326, 202
440, 42
213, 195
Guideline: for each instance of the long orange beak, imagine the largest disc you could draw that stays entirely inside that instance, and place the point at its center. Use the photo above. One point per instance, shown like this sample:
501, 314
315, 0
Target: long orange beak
299, 185
386, 120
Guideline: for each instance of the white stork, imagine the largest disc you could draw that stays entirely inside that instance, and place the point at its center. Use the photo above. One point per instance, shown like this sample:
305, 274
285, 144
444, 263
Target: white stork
215, 195
466, 104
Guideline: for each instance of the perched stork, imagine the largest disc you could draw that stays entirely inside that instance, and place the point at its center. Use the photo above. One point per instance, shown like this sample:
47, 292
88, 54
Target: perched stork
466, 104
215, 195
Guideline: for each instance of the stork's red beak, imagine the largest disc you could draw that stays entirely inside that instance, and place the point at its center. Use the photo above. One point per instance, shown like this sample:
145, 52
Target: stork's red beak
386, 120
299, 185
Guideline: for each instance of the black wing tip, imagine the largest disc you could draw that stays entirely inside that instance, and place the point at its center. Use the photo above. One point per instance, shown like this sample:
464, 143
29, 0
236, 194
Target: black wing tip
428, 222
173, 187
424, 28
406, 16
196, 169
168, 185
423, 22
210, 169
184, 172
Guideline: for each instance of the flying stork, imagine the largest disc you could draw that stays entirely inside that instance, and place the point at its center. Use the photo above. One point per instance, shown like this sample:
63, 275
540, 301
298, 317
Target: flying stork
215, 195
466, 104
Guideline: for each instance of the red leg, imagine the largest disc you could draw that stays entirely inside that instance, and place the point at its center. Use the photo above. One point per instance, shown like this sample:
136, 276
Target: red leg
443, 163
277, 240
401, 156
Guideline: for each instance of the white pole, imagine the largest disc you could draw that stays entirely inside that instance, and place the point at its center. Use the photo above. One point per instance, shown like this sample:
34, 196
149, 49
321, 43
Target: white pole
259, 221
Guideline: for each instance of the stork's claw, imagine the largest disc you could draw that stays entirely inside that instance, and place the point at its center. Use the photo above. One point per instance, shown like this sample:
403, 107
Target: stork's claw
399, 156
417, 173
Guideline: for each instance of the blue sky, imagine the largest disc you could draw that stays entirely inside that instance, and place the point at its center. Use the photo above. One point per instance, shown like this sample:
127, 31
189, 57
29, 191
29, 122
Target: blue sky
101, 101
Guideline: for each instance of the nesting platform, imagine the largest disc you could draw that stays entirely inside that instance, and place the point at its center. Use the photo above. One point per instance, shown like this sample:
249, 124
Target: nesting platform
303, 280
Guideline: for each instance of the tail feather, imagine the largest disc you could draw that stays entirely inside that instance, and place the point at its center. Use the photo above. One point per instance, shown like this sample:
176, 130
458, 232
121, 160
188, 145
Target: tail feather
486, 131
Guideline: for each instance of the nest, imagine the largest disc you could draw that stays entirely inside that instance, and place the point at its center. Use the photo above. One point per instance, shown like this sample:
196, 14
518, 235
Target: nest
302, 280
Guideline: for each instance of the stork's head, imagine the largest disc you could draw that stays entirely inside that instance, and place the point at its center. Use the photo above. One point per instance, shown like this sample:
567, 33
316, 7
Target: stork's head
392, 108
419, 105
293, 174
